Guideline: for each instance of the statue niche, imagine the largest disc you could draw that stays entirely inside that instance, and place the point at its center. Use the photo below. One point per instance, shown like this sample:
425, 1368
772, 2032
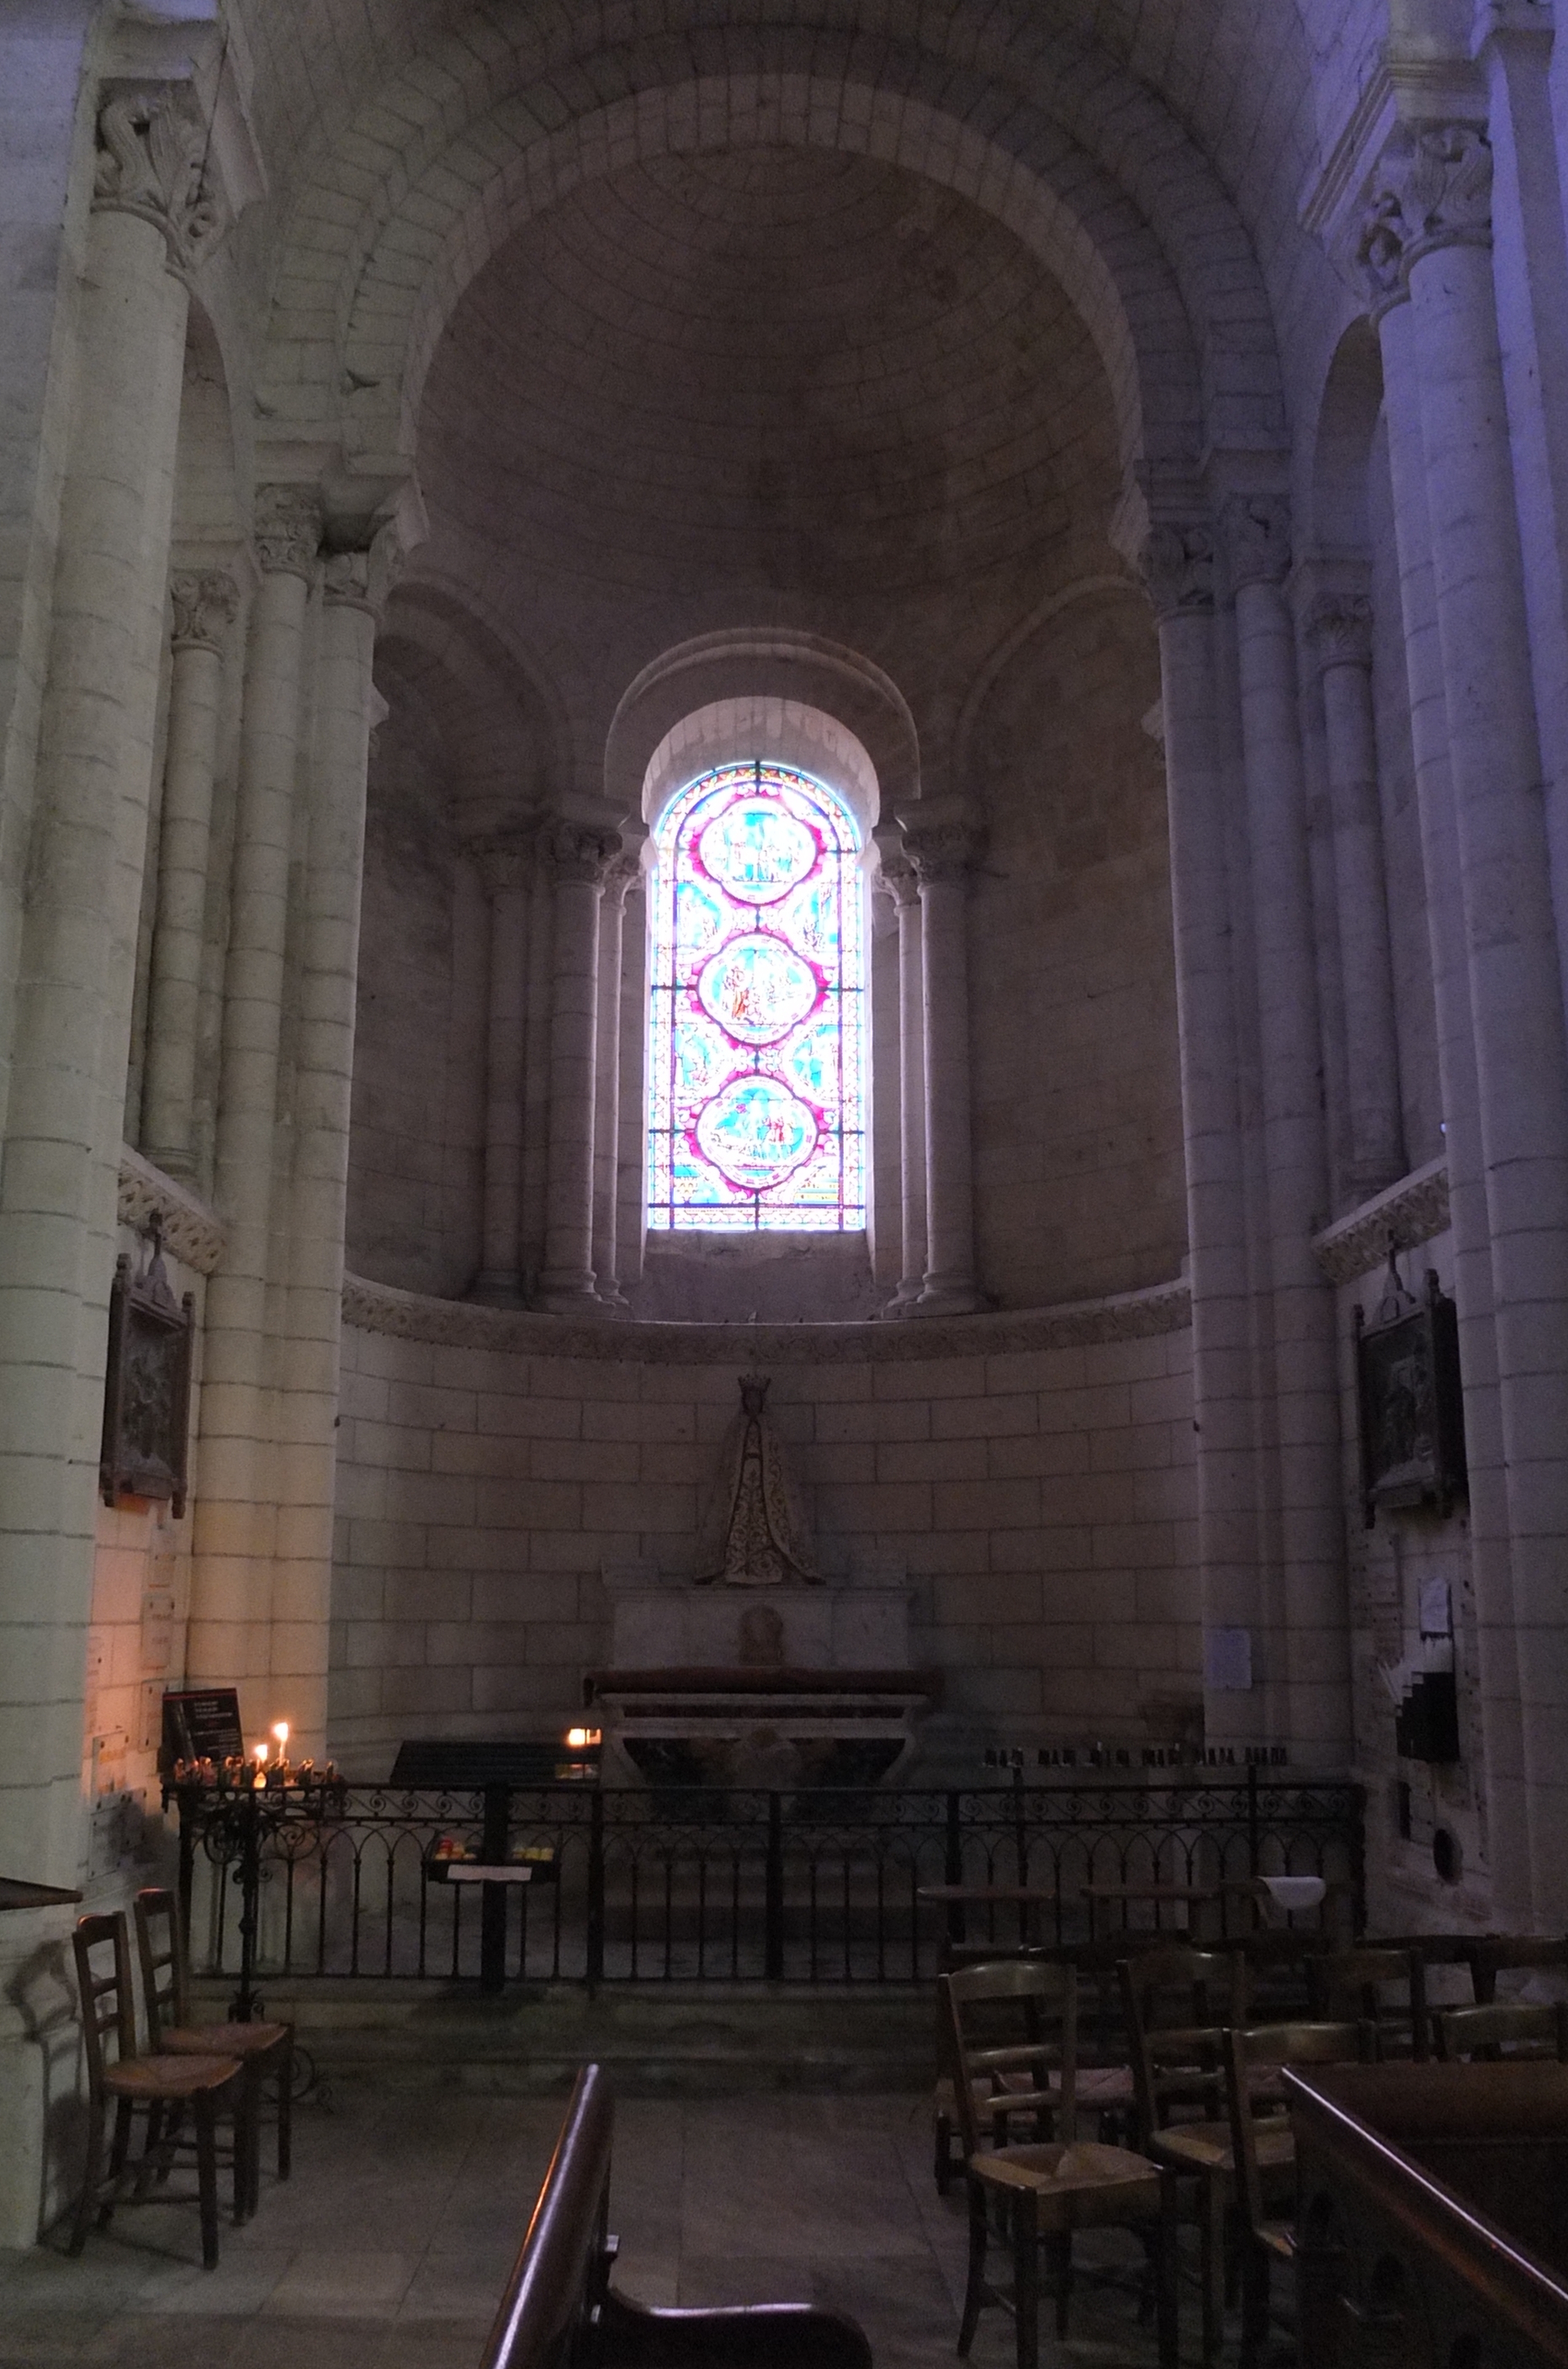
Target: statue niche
753, 1533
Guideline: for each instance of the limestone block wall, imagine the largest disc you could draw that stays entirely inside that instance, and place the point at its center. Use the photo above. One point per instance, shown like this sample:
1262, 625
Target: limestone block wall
1031, 1474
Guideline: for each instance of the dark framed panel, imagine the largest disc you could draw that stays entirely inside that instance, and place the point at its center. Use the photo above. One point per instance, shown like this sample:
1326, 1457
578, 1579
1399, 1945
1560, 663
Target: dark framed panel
1411, 1405
146, 1400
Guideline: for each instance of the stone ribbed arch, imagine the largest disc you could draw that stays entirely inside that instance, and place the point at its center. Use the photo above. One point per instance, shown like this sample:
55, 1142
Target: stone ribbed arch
431, 212
800, 669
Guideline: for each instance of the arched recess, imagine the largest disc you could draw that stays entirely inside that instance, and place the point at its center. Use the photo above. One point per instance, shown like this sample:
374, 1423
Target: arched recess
1171, 385
505, 740
764, 680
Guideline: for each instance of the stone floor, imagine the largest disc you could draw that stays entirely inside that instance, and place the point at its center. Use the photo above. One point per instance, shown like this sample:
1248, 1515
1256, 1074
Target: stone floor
390, 2247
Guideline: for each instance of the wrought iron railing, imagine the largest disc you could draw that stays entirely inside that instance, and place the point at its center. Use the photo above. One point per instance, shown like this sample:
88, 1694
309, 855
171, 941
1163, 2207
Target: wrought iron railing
639, 1885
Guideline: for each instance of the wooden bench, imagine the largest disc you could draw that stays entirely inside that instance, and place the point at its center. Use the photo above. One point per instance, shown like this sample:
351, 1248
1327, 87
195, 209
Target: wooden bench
559, 2311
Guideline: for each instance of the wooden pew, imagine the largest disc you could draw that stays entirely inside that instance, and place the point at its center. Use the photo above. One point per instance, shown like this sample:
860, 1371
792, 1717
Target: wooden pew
559, 2311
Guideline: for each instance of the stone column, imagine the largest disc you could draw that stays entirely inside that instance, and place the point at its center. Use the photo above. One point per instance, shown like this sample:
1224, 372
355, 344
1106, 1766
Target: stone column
506, 873
76, 968
204, 607
1339, 631
941, 838
536, 1067
1498, 1674
1306, 1657
1430, 220
235, 1533
622, 871
1178, 569
579, 854
899, 879
355, 584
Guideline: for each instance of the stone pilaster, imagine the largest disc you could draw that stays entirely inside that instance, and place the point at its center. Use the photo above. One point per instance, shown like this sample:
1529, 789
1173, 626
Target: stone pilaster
1339, 634
1428, 233
1305, 1656
236, 1529
941, 838
902, 882
579, 854
507, 873
623, 870
204, 607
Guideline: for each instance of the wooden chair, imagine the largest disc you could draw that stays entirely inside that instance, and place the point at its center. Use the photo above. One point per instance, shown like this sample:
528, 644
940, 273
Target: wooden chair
265, 2050
205, 2086
1354, 1984
1511, 2031
1263, 2152
1178, 2004
1507, 1953
1045, 2189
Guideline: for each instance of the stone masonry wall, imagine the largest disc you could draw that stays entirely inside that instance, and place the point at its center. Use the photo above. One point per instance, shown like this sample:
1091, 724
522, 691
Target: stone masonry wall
1035, 1485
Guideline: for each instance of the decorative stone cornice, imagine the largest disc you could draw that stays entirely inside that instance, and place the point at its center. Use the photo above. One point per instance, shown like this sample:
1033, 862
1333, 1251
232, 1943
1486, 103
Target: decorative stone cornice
1255, 532
412, 1316
288, 530
1432, 188
204, 608
1411, 1212
1339, 629
192, 1232
1176, 564
150, 162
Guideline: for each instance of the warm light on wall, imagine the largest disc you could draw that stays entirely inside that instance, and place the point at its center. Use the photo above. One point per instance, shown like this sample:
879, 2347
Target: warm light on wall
582, 1739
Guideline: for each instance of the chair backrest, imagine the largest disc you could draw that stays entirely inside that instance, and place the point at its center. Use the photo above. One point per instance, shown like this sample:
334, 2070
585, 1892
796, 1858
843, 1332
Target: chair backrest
1351, 1982
1274, 2044
166, 1981
1177, 2003
1487, 2032
1011, 2026
1505, 1953
108, 2010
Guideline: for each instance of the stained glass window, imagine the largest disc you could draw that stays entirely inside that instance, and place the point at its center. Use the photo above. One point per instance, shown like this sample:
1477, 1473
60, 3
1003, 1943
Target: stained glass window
757, 1037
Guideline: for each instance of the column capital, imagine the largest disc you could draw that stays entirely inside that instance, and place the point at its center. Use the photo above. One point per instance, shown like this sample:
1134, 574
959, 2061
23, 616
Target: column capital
1338, 628
580, 851
941, 842
288, 530
1176, 564
1255, 534
505, 863
363, 579
1432, 188
151, 162
896, 873
205, 605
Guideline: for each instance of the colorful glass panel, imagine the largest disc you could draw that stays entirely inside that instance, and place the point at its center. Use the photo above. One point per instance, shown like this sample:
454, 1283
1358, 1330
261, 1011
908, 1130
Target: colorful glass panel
757, 1028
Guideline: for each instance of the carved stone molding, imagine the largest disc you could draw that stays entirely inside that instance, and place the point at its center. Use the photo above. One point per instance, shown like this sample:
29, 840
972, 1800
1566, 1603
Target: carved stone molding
1432, 189
152, 147
1339, 629
192, 1232
204, 608
1178, 568
364, 578
288, 530
1255, 529
412, 1316
1408, 1213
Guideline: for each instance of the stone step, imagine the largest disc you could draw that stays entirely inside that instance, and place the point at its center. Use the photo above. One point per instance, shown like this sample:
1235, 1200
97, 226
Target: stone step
685, 2040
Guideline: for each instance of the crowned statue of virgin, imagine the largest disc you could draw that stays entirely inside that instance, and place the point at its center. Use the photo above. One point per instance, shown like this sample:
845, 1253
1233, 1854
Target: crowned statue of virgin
753, 1533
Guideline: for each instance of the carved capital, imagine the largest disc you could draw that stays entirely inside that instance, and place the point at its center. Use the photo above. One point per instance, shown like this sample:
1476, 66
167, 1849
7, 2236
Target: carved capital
505, 865
363, 580
1432, 189
150, 162
1176, 564
288, 530
579, 850
622, 875
942, 851
1339, 629
899, 879
204, 608
1256, 529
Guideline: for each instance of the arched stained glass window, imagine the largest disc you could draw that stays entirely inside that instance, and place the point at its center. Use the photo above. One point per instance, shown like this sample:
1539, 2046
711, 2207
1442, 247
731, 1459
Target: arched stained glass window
757, 1041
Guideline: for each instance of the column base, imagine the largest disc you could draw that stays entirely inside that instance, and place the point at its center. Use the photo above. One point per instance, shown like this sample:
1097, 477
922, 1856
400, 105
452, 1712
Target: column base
903, 1301
615, 1302
949, 1297
568, 1293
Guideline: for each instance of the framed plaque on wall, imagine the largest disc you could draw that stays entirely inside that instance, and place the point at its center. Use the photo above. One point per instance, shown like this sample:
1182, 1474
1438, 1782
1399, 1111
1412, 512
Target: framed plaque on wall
1409, 1403
146, 1400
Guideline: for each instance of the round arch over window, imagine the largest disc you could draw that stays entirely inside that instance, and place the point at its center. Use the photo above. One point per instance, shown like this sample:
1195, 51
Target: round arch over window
757, 1051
